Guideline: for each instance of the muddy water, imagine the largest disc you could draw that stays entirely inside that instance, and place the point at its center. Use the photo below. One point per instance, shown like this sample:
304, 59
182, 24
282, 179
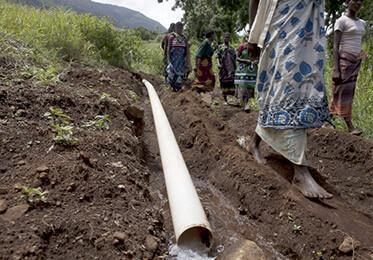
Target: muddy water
227, 224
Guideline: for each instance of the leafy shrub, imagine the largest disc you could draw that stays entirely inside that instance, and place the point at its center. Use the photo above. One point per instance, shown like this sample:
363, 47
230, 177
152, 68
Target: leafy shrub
151, 58
145, 34
57, 34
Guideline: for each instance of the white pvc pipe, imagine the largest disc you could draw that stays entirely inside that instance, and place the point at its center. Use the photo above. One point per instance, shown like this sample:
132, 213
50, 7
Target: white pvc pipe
189, 219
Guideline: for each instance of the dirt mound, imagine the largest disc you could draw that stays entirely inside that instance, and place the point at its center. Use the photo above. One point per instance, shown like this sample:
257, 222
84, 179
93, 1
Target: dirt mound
296, 227
98, 203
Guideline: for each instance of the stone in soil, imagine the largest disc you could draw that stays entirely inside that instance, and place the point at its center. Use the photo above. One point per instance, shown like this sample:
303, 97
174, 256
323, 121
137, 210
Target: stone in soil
20, 163
348, 245
15, 213
3, 206
43, 177
151, 243
86, 159
120, 236
21, 113
207, 98
42, 168
243, 250
135, 112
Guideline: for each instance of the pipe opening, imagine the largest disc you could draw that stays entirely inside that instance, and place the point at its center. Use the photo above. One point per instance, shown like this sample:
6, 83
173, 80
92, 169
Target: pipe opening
198, 239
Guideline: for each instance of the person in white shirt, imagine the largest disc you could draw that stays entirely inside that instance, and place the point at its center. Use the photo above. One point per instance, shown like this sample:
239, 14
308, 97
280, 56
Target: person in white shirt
347, 56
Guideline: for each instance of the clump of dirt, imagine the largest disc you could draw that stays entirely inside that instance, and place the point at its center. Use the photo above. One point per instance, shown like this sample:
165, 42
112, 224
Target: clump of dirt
98, 202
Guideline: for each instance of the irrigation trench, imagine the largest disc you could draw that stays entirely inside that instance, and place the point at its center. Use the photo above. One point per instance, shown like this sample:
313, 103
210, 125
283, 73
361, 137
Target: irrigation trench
231, 224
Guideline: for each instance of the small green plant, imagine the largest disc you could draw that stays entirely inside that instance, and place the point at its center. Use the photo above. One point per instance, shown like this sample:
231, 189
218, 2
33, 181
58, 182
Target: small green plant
318, 254
61, 123
215, 105
56, 115
105, 96
133, 96
64, 135
42, 75
254, 105
296, 227
100, 122
34, 195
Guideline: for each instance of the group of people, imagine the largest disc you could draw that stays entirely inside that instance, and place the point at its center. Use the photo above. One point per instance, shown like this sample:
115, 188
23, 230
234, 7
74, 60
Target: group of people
284, 59
237, 72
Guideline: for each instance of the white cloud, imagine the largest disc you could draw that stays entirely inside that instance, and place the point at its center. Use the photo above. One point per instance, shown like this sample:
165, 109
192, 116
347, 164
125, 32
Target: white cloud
161, 12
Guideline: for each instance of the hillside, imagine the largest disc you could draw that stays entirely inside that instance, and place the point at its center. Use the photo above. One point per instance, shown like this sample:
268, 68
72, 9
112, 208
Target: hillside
120, 16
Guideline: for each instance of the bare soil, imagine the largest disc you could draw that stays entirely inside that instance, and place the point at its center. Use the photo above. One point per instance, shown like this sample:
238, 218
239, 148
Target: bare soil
106, 197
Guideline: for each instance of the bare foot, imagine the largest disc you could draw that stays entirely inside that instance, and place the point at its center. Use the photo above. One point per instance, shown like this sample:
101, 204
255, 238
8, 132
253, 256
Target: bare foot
304, 182
254, 150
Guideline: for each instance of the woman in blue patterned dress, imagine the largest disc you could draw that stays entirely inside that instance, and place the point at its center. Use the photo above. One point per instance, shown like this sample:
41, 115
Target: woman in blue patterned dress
177, 58
290, 85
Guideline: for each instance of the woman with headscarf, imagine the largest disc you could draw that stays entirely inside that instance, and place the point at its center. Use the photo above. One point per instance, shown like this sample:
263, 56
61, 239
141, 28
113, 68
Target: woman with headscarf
205, 77
177, 58
226, 56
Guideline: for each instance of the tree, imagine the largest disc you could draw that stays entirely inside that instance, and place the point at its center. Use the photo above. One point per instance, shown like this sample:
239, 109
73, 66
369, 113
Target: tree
233, 15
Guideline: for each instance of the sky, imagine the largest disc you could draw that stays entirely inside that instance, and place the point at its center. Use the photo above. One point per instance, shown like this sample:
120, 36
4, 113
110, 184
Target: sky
160, 12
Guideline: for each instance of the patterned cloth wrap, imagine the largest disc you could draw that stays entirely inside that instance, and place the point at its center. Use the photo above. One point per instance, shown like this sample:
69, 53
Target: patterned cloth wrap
176, 70
227, 60
205, 77
344, 88
290, 85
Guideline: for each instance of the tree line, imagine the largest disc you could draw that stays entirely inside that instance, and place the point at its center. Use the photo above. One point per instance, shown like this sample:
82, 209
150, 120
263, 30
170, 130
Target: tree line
233, 15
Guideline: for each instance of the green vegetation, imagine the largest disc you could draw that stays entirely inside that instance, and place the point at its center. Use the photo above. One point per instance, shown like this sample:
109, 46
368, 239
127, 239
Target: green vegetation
215, 106
151, 58
65, 135
233, 15
42, 75
145, 34
34, 196
62, 125
57, 116
363, 103
121, 17
296, 227
106, 97
100, 122
318, 254
56, 35
133, 96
